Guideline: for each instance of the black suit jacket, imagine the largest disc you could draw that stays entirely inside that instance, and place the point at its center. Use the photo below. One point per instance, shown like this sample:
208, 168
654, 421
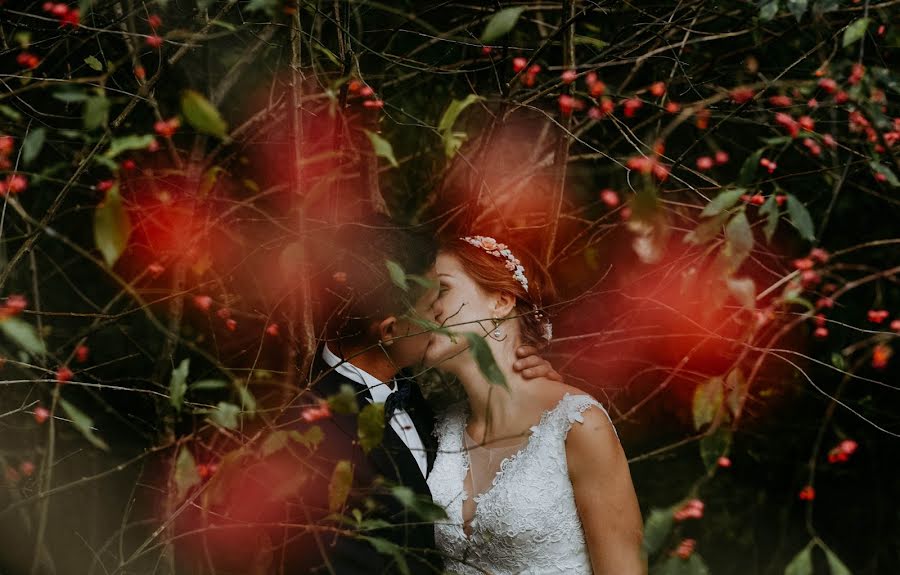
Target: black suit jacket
405, 531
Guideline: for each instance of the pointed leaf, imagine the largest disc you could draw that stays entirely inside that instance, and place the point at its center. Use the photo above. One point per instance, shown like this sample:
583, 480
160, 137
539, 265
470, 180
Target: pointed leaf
344, 401
743, 290
96, 112
500, 24
886, 172
202, 115
657, 529
23, 334
225, 414
132, 142
448, 119
708, 398
749, 167
311, 438
715, 445
186, 475
855, 31
737, 387
768, 10
797, 8
339, 486
706, 229
722, 202
209, 384
835, 564
94, 63
801, 564
800, 217
738, 241
370, 426
112, 226
485, 359
83, 423
32, 144
398, 276
382, 147
178, 384
770, 210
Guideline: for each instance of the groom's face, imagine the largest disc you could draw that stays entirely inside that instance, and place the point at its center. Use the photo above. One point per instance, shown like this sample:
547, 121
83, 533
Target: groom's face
412, 335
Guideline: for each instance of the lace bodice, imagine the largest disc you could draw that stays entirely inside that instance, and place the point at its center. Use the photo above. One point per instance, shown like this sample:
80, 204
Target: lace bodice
527, 521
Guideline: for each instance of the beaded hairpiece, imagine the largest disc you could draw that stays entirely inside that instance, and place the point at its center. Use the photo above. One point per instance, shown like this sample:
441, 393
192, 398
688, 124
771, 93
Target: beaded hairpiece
491, 246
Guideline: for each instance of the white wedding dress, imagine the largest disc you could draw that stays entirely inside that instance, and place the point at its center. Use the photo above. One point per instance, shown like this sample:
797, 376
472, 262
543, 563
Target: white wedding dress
526, 520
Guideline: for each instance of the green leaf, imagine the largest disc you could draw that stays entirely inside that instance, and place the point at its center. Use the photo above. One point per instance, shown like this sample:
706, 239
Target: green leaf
344, 401
453, 141
10, 113
714, 446
83, 423
202, 115
311, 438
706, 229
737, 387
94, 63
209, 384
23, 334
186, 475
800, 217
225, 415
96, 112
32, 144
485, 359
837, 360
274, 442
389, 548
770, 210
382, 147
708, 397
398, 276
768, 10
743, 290
248, 402
112, 226
657, 529
123, 144
722, 202
886, 172
855, 31
500, 24
797, 8
801, 564
448, 119
748, 168
835, 564
339, 486
421, 506
370, 426
70, 96
178, 384
738, 241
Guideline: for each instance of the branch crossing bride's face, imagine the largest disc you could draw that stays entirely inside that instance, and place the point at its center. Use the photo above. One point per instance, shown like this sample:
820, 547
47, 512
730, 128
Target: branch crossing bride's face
461, 306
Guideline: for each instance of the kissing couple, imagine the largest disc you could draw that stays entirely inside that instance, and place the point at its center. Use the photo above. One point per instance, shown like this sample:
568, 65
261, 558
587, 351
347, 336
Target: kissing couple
519, 473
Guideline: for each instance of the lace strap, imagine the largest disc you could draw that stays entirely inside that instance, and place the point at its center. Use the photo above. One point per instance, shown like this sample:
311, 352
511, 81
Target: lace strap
571, 407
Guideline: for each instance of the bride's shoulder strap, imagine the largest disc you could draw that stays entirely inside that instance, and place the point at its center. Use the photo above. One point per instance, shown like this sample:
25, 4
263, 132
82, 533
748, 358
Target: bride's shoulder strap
571, 408
449, 419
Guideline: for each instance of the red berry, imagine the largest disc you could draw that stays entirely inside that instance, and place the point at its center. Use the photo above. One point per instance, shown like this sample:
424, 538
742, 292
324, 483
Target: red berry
807, 123
366, 91
724, 462
841, 97
339, 277
877, 315
686, 548
780, 101
81, 353
812, 103
230, 324
154, 41
568, 76
27, 468
139, 72
808, 493
155, 21
722, 157
534, 70
741, 95
828, 84
880, 356
41, 414
15, 304
702, 120
377, 104
128, 164
64, 374
485, 50
311, 414
672, 107
272, 329
203, 302
658, 89
609, 197
155, 269
895, 325
821, 333
631, 106
519, 64
704, 163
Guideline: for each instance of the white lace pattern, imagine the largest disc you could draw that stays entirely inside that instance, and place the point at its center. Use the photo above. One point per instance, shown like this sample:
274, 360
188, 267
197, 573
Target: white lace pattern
527, 521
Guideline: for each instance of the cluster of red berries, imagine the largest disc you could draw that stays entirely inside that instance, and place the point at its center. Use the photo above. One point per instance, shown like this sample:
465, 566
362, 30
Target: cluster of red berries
649, 165
693, 509
13, 305
357, 88
316, 412
167, 128
530, 76
67, 16
28, 60
842, 451
686, 548
706, 162
154, 40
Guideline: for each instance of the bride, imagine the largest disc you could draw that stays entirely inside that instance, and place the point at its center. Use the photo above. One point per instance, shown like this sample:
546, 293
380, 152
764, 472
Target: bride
526, 490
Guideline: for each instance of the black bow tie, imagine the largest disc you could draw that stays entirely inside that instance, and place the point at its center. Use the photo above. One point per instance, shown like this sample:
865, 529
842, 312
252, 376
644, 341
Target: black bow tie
398, 400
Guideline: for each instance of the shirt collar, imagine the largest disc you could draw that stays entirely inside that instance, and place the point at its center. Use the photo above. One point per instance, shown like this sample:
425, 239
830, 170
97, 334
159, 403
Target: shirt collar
377, 388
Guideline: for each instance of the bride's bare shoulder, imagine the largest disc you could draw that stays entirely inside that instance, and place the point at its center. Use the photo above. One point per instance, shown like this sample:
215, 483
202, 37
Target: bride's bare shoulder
550, 393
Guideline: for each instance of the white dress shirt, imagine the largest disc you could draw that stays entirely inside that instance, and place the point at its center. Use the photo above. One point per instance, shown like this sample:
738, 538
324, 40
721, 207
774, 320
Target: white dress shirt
401, 422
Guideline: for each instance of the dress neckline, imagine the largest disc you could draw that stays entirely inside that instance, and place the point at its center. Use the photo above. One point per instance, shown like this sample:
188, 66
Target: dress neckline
503, 464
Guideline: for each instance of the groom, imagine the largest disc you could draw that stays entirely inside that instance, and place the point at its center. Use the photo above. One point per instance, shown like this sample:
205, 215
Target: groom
351, 503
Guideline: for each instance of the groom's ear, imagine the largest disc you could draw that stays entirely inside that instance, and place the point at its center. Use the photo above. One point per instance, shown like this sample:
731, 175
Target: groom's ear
387, 330
504, 304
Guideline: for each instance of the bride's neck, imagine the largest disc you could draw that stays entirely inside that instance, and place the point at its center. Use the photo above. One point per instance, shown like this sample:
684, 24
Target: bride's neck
489, 402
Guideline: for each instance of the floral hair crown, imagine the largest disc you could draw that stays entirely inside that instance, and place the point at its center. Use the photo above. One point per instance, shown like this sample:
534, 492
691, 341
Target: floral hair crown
491, 246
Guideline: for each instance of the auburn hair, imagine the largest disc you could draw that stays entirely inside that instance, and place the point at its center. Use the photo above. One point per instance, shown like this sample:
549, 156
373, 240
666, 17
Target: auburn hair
491, 274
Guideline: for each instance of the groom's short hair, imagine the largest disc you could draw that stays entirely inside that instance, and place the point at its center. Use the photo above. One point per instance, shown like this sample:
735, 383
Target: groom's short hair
361, 289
